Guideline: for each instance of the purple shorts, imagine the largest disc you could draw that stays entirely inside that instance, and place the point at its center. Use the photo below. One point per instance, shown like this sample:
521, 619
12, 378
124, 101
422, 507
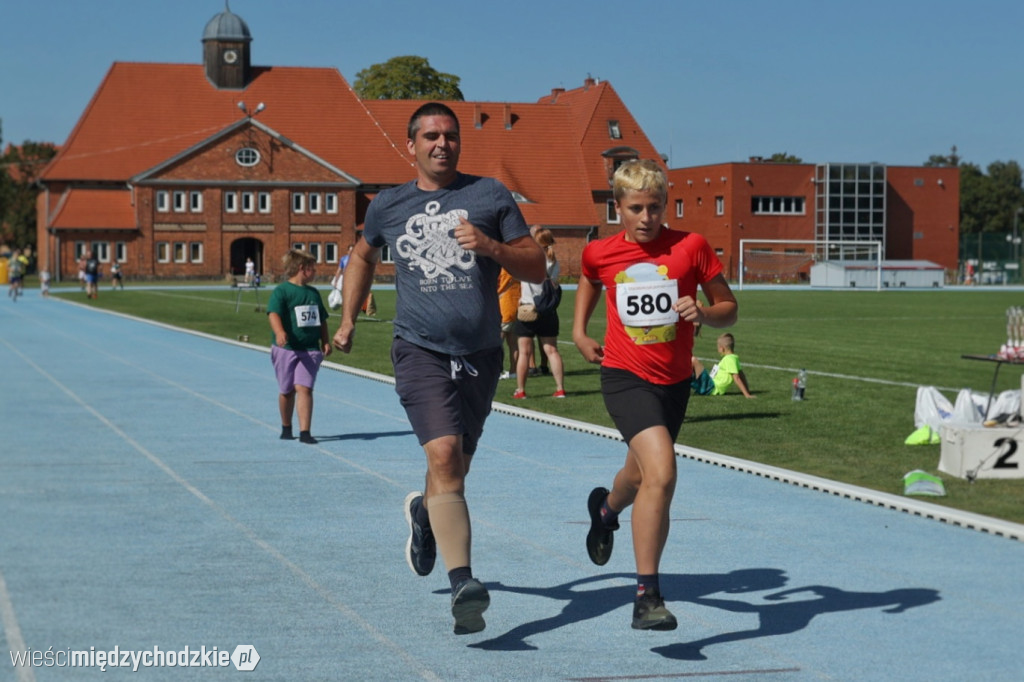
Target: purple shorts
295, 367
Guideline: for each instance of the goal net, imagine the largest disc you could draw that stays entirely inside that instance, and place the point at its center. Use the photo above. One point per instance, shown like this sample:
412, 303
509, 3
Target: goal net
789, 261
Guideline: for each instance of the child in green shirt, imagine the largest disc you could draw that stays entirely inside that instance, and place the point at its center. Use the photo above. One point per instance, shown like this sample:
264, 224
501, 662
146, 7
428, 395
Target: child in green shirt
724, 374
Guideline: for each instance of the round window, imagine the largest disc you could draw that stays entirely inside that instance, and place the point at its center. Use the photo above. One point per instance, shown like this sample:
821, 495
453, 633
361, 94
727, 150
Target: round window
247, 156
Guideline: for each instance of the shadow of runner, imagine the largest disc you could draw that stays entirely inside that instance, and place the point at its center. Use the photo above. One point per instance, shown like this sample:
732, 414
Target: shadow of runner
791, 616
581, 605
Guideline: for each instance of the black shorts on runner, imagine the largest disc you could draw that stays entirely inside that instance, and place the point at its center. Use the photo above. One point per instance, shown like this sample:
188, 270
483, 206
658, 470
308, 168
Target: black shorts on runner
446, 395
635, 404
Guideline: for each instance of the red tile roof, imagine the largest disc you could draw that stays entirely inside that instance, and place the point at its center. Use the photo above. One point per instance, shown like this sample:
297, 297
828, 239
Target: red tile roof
95, 208
143, 114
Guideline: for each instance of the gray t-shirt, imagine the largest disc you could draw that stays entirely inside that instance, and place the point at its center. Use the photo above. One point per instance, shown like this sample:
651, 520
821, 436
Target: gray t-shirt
447, 297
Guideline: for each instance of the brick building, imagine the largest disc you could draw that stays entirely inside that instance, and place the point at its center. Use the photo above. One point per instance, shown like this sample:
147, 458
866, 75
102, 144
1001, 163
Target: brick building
187, 170
913, 211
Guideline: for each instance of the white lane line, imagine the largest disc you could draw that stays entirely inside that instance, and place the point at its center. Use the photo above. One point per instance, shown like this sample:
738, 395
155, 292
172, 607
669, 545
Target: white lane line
12, 633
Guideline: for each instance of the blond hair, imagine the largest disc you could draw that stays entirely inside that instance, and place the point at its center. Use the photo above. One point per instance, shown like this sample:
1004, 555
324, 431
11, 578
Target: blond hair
639, 175
546, 239
295, 260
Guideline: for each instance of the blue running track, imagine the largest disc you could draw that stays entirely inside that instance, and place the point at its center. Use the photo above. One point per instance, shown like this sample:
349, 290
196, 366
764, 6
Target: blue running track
147, 505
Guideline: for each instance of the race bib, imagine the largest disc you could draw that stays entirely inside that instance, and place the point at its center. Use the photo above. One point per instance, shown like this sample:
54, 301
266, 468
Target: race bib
647, 304
307, 316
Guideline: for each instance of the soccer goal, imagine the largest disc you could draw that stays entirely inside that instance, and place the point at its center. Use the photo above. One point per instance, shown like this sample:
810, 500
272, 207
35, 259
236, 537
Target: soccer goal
789, 261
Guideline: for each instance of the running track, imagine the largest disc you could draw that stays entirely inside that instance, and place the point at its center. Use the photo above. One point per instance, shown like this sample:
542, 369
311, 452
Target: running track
147, 503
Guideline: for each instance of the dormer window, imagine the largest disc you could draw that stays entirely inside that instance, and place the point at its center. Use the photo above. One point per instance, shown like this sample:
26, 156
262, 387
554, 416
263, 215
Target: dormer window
520, 199
613, 130
247, 157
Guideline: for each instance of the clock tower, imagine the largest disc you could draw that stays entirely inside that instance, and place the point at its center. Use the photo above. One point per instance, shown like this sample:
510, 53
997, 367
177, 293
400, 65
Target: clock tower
226, 42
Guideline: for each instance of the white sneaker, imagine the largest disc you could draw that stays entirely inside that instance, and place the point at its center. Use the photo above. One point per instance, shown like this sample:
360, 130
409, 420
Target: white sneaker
507, 375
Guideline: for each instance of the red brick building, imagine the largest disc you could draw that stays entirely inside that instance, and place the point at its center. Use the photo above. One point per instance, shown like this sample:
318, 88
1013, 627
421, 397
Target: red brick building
913, 211
181, 170
187, 170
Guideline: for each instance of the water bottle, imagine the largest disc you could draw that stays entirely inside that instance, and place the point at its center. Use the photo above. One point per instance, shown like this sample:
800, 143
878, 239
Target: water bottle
799, 384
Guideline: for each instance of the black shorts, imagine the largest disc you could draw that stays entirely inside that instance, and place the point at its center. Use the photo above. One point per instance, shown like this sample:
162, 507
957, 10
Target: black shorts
635, 404
446, 395
545, 326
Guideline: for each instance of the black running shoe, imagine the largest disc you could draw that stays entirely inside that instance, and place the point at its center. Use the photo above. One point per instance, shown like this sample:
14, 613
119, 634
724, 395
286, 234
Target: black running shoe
600, 538
469, 601
649, 613
420, 549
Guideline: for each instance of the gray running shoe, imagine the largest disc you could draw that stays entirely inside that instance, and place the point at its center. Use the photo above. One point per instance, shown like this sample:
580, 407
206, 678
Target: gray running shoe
420, 549
600, 539
469, 601
649, 613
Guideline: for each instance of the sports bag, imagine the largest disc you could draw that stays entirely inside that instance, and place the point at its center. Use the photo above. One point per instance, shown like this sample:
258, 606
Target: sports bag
549, 297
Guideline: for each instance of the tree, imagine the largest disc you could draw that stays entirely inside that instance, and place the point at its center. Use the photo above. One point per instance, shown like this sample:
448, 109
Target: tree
988, 202
407, 77
19, 170
937, 160
783, 157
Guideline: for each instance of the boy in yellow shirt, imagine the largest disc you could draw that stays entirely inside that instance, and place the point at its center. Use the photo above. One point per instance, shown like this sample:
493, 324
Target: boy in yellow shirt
724, 374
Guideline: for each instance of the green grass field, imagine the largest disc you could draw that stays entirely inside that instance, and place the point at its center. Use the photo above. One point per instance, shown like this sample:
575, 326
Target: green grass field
865, 352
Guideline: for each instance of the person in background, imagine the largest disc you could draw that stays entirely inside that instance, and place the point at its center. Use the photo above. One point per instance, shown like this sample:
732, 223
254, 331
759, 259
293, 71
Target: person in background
545, 327
509, 290
298, 320
724, 374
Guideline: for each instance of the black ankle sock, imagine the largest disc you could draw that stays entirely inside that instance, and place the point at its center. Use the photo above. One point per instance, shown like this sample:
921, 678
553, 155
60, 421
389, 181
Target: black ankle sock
286, 433
457, 575
647, 583
304, 437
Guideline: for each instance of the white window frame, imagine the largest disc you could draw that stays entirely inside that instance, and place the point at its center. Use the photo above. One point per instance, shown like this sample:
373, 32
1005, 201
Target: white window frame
299, 246
179, 201
121, 251
679, 208
163, 252
231, 202
195, 252
331, 202
330, 252
298, 202
611, 215
101, 251
179, 252
315, 202
163, 201
385, 254
315, 251
195, 201
247, 202
614, 130
263, 202
719, 205
79, 250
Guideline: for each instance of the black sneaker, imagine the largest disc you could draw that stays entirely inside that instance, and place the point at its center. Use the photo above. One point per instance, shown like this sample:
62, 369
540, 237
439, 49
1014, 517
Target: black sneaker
420, 549
469, 601
649, 613
600, 538
304, 437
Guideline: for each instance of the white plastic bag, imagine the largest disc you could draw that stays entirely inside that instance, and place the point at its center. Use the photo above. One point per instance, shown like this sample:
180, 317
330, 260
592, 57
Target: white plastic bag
334, 299
932, 408
969, 407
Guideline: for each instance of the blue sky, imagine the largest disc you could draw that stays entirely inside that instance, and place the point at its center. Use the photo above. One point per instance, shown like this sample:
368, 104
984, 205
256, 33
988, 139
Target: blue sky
891, 81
